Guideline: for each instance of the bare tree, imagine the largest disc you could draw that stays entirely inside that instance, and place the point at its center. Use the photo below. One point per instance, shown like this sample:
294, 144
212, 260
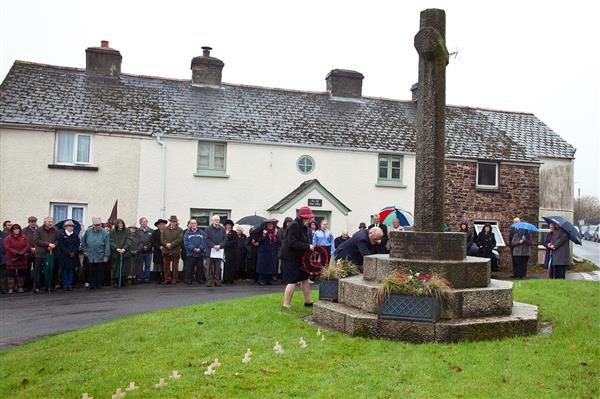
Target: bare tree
588, 209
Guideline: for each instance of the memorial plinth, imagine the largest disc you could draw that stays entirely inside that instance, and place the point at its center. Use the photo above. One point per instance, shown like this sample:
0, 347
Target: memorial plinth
475, 308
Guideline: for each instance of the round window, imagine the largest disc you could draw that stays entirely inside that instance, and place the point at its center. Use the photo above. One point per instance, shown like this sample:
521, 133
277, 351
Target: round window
306, 164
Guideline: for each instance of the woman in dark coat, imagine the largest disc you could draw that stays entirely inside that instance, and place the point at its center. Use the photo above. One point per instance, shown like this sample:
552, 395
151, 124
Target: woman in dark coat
68, 258
486, 242
471, 247
240, 252
251, 254
231, 258
16, 246
297, 241
561, 252
280, 236
118, 246
547, 242
266, 257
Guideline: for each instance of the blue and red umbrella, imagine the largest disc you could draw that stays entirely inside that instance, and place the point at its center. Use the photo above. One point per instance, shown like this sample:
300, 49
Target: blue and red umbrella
389, 213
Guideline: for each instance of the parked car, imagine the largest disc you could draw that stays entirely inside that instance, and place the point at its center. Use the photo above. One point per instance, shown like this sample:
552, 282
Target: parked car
593, 233
582, 232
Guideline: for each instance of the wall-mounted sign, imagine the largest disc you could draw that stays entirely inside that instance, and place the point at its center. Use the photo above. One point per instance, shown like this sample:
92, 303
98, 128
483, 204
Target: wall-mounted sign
315, 202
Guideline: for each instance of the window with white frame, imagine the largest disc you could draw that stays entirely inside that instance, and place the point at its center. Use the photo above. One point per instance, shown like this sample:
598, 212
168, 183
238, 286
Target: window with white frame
212, 157
390, 168
61, 211
487, 175
73, 148
305, 164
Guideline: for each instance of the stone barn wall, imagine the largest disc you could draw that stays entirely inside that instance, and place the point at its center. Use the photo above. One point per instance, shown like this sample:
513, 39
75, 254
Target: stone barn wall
517, 195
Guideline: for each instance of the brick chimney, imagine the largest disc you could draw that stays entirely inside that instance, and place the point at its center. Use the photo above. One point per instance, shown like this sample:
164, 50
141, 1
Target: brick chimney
103, 61
344, 83
206, 70
415, 91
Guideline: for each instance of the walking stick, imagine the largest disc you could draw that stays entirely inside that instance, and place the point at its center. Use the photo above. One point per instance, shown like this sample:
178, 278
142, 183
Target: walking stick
120, 267
51, 263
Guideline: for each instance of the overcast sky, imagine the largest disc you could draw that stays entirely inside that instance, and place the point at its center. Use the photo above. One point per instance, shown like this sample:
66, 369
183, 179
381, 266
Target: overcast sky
532, 56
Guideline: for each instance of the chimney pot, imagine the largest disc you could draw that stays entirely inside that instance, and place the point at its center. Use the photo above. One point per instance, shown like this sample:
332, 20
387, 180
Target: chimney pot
206, 70
344, 83
415, 91
103, 61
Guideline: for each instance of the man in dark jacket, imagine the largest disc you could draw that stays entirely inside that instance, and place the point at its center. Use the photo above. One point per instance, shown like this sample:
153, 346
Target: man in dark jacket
341, 239
511, 235
3, 271
193, 242
381, 247
215, 241
45, 240
28, 231
360, 245
145, 237
157, 257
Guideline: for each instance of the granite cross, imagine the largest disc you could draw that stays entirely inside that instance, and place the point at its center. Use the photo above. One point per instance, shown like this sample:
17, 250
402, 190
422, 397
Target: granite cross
430, 43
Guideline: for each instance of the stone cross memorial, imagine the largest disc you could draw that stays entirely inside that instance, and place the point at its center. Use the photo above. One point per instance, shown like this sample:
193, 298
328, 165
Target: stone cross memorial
431, 117
476, 307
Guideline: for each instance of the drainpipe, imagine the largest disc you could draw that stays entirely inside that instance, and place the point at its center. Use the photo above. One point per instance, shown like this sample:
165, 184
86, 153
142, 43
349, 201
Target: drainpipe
163, 175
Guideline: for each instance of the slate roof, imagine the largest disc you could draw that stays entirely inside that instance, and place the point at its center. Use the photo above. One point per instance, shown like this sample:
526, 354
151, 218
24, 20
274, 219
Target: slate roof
65, 98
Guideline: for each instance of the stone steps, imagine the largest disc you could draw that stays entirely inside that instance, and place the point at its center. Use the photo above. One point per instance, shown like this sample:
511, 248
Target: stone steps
472, 272
356, 322
493, 300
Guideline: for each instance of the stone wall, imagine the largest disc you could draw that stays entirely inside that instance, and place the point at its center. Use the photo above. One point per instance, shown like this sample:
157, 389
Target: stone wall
517, 195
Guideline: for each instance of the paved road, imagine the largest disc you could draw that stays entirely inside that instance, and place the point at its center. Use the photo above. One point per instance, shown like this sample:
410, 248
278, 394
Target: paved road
25, 317
589, 250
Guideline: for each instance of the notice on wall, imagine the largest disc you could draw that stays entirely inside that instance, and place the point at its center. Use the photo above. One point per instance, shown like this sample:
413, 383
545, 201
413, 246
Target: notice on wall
315, 202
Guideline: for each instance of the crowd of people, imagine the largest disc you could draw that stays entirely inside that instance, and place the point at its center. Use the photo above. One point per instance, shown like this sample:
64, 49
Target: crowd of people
45, 258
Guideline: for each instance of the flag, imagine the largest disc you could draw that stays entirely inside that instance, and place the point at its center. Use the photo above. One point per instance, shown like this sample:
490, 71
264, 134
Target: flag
112, 219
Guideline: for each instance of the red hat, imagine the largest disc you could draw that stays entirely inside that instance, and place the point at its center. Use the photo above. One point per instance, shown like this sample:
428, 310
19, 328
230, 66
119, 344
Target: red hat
305, 213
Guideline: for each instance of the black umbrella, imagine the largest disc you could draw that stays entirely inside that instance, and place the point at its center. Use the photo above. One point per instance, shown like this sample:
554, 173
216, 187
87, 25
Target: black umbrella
253, 220
61, 225
566, 226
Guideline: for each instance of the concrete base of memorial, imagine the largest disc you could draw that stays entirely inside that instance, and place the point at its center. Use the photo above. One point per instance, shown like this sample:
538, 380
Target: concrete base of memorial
476, 307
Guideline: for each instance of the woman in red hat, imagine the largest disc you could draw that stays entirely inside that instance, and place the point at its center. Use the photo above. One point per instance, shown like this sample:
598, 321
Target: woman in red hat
296, 242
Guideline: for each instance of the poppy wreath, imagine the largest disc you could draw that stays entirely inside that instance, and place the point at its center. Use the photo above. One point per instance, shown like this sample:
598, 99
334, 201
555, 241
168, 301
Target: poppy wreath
314, 261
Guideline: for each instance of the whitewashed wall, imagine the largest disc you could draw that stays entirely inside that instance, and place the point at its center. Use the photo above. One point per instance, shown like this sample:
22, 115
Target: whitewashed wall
557, 187
28, 186
261, 175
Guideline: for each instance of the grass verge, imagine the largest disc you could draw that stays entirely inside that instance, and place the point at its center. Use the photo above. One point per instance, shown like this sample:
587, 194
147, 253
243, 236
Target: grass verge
146, 347
585, 266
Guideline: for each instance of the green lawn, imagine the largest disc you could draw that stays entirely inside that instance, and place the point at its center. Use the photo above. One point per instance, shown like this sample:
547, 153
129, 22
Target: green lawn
143, 348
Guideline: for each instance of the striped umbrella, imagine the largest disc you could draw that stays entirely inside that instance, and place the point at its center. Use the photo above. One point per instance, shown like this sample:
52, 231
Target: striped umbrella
389, 213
